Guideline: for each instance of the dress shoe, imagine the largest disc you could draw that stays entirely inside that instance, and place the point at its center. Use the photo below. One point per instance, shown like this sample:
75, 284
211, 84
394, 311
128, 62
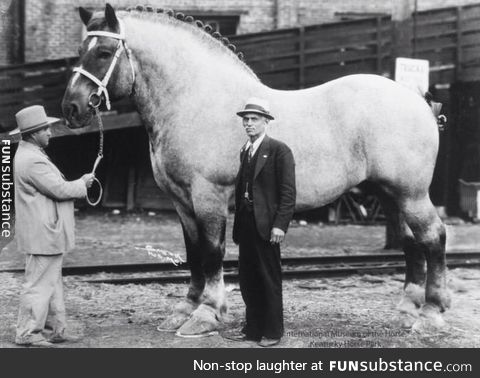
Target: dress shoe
265, 342
241, 337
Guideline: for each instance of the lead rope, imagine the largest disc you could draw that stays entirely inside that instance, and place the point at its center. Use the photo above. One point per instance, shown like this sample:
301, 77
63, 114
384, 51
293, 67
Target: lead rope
99, 155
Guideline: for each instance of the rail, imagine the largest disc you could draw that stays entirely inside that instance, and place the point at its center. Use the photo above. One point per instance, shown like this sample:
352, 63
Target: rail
293, 267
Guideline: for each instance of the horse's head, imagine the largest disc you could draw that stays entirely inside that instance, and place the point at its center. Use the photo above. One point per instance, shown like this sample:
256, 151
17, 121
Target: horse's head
105, 70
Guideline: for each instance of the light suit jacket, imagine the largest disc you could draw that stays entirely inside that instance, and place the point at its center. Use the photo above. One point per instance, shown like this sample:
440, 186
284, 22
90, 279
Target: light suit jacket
44, 222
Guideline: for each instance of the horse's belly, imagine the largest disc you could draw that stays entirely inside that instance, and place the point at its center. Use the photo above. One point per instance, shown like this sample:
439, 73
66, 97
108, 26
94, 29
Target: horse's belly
317, 190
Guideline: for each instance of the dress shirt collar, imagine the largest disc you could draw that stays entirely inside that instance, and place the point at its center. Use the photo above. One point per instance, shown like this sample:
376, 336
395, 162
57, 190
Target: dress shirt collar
256, 144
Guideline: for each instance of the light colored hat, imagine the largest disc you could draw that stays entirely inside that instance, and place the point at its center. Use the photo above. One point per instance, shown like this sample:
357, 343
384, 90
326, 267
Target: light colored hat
33, 118
256, 105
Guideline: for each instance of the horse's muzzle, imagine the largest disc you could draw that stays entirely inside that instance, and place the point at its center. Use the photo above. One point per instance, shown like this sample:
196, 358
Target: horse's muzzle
75, 117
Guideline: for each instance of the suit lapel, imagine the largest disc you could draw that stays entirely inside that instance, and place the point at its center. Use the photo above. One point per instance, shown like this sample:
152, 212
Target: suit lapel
263, 153
242, 161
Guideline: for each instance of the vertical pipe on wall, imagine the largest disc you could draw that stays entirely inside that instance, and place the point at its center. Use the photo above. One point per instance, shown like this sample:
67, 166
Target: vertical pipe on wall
20, 53
276, 12
415, 10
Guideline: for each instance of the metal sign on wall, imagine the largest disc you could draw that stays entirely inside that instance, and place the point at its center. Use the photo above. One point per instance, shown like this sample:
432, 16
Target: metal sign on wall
413, 73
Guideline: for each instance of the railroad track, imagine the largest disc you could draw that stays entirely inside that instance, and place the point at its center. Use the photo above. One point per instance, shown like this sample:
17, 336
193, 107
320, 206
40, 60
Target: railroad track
296, 267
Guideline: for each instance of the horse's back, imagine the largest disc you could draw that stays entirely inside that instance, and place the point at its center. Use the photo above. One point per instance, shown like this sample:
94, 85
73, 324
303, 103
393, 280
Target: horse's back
356, 128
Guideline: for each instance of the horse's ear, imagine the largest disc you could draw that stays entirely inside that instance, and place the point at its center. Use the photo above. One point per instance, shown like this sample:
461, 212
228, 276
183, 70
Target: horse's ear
111, 17
85, 15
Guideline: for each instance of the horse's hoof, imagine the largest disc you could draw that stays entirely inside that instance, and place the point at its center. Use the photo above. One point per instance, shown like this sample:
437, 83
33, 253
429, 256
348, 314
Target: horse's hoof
430, 320
441, 298
416, 294
407, 306
405, 320
180, 315
203, 322
173, 322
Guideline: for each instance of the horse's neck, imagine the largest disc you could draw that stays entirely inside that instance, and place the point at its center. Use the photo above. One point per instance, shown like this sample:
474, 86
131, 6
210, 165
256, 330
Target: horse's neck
177, 73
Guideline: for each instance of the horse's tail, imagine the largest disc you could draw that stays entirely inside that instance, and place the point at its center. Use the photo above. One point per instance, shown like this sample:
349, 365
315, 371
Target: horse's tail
436, 109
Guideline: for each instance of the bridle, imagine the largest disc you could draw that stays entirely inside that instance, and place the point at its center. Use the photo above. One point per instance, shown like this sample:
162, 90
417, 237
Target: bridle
95, 99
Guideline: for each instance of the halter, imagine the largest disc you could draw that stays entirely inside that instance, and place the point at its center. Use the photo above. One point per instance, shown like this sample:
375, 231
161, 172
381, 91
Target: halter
95, 99
102, 85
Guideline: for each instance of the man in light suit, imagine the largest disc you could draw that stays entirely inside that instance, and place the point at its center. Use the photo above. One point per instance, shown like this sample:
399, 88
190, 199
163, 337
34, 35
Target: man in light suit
264, 204
44, 228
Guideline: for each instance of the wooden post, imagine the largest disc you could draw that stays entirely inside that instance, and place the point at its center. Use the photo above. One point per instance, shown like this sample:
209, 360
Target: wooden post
301, 57
15, 28
131, 188
379, 45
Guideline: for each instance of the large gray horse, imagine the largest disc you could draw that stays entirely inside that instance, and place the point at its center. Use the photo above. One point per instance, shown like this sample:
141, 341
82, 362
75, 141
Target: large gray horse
187, 86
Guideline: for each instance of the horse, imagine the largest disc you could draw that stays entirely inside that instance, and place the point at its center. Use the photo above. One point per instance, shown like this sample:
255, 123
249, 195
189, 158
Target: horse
187, 84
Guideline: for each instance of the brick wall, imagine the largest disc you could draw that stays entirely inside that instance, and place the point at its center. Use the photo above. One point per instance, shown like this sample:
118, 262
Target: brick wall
6, 30
53, 29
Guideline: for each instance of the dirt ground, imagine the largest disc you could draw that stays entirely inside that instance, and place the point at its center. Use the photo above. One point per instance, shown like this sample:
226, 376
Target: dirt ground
357, 311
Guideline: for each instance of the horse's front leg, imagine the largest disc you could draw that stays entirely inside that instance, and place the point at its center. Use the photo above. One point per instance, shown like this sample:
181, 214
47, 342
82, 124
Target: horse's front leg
184, 309
210, 204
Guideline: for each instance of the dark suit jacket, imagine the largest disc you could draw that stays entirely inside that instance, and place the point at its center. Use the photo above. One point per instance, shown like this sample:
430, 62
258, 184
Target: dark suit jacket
273, 188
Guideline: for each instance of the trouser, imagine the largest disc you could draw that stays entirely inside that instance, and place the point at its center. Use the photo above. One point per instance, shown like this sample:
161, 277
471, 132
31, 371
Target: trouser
41, 301
260, 273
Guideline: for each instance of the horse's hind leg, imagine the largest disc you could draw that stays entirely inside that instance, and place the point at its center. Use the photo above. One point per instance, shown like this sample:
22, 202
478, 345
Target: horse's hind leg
183, 310
430, 237
415, 274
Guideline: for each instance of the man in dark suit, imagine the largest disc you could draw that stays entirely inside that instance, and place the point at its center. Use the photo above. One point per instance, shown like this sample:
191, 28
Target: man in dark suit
264, 205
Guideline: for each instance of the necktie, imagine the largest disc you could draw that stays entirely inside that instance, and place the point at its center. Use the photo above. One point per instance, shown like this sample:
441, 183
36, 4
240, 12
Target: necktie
250, 153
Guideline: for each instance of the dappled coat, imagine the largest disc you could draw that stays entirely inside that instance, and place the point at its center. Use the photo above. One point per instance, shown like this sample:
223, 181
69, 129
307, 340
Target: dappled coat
44, 223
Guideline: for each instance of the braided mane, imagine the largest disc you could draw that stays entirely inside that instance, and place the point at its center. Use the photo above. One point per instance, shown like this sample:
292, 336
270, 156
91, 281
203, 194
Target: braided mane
150, 12
190, 20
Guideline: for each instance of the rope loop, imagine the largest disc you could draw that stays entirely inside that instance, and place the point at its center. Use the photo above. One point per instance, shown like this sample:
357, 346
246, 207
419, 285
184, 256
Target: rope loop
92, 202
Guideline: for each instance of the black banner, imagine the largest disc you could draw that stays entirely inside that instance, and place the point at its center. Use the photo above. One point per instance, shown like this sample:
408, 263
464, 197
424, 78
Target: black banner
244, 362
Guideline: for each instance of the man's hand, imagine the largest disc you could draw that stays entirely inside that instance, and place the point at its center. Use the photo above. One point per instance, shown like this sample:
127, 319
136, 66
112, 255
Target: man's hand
88, 179
277, 236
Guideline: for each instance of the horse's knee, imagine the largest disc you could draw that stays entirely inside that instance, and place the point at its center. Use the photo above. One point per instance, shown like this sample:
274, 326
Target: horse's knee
212, 243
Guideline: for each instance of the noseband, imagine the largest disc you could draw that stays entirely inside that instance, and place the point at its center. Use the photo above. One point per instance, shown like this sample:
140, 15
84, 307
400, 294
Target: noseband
95, 99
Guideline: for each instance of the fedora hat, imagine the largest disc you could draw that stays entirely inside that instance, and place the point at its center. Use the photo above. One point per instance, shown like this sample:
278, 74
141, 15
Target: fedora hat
256, 105
33, 118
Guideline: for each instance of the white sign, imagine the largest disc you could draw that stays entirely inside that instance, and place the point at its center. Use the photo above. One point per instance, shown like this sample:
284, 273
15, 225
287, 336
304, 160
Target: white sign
413, 73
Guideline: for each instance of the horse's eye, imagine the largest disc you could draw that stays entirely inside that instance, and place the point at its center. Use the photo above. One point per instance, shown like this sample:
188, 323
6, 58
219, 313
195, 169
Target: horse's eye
104, 54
